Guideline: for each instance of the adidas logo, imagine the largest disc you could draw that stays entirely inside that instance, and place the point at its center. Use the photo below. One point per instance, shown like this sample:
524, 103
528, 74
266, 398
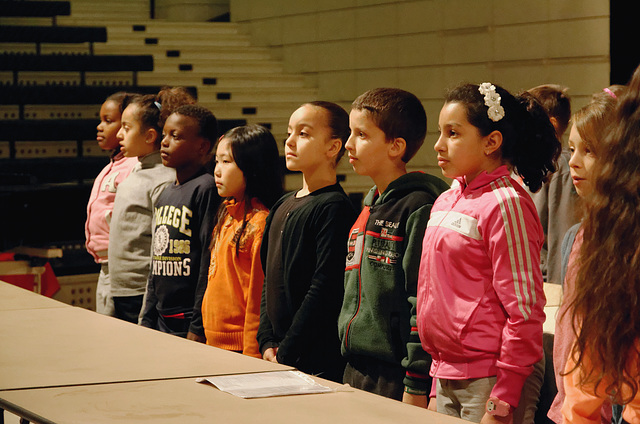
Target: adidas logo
457, 223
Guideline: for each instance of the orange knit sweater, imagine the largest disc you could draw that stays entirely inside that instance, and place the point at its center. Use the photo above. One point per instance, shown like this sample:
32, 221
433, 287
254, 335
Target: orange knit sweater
231, 303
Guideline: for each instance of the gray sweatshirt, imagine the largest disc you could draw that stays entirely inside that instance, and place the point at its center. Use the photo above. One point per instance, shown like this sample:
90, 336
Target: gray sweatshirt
131, 225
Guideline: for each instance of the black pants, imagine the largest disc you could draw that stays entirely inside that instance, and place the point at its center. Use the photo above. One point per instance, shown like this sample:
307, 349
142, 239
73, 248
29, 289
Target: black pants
379, 377
128, 308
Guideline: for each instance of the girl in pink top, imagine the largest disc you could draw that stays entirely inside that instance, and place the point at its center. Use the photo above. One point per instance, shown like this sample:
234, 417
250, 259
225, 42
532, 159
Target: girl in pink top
480, 295
103, 194
589, 126
604, 363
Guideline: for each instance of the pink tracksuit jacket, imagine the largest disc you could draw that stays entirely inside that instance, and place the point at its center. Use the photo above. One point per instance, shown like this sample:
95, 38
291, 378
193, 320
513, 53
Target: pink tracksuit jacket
100, 204
480, 292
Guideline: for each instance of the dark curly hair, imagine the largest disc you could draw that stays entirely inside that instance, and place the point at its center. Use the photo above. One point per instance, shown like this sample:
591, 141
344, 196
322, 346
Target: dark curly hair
207, 122
154, 109
529, 142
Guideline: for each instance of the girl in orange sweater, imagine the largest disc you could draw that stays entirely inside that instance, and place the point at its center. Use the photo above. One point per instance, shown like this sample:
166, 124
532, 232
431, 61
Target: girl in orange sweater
247, 174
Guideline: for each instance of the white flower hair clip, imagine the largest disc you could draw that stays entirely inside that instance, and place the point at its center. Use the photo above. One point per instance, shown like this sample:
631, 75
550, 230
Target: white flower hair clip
492, 100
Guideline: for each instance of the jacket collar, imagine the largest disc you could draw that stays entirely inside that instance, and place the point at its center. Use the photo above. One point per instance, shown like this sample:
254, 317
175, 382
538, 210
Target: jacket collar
484, 178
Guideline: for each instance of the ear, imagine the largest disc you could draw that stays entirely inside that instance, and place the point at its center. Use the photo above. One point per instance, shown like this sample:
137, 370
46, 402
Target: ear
150, 136
397, 147
205, 146
492, 143
335, 144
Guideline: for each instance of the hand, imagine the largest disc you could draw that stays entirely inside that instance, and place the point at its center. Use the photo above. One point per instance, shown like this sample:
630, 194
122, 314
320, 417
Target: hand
494, 419
433, 405
417, 400
270, 354
196, 338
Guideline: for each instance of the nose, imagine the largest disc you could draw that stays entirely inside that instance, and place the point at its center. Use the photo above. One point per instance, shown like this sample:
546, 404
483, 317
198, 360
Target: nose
349, 144
216, 170
290, 142
574, 161
165, 141
99, 127
120, 134
439, 146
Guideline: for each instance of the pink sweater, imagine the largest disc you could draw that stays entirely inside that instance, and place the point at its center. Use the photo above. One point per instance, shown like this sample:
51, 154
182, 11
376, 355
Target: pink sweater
564, 337
480, 292
100, 204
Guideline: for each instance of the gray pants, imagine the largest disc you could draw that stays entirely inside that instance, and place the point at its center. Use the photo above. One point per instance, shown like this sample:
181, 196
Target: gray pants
104, 301
466, 399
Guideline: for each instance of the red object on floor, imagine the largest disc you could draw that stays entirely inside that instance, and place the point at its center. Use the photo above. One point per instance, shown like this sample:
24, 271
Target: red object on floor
49, 284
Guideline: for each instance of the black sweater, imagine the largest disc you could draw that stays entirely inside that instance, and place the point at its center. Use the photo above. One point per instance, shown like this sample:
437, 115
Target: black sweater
313, 251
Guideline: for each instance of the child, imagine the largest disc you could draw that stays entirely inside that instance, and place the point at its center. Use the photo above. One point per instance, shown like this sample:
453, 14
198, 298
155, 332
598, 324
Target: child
555, 201
103, 193
182, 226
303, 248
586, 140
248, 175
480, 293
388, 127
143, 118
604, 363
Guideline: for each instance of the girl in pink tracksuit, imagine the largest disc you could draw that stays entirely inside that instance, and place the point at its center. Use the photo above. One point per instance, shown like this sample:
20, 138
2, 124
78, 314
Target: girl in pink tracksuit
480, 293
103, 194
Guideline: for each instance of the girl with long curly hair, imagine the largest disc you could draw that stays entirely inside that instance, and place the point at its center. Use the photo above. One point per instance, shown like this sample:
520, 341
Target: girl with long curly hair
586, 140
605, 363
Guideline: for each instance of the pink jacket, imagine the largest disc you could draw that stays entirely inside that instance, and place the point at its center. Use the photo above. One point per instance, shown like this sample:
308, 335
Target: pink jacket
100, 204
480, 292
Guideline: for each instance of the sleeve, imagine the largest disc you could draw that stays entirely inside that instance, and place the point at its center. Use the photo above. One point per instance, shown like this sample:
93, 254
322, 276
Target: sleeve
149, 314
323, 300
513, 236
565, 250
254, 297
417, 363
207, 206
541, 200
265, 336
581, 405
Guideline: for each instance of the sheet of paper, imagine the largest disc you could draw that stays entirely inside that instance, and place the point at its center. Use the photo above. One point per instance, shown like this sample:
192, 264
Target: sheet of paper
266, 384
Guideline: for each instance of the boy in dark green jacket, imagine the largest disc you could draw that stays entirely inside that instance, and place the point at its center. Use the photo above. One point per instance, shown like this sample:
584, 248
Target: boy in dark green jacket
377, 320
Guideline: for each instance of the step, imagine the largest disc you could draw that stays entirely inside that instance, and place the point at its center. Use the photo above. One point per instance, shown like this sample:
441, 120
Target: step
261, 94
209, 67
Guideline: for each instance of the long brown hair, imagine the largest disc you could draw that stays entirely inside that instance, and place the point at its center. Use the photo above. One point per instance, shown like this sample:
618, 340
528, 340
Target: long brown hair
606, 307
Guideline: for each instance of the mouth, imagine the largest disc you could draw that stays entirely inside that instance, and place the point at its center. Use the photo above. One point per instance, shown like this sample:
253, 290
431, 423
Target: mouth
442, 161
100, 137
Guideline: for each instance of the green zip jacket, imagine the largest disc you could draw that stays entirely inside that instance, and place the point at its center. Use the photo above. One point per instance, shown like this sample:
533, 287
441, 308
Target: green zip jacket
377, 319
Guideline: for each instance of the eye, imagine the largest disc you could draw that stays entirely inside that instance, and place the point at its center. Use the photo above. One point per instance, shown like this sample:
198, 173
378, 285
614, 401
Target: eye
303, 134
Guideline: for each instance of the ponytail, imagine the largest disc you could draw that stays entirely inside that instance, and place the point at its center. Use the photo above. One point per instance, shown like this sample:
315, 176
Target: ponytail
529, 142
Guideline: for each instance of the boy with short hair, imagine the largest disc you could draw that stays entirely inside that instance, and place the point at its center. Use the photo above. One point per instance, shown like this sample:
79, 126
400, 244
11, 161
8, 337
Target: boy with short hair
377, 320
184, 220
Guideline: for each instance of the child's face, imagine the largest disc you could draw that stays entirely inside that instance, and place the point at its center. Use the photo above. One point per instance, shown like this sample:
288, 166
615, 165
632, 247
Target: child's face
367, 145
182, 146
460, 146
309, 139
229, 177
132, 136
581, 163
109, 125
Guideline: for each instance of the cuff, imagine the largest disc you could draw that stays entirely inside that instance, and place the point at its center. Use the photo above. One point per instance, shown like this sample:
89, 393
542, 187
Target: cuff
417, 384
508, 386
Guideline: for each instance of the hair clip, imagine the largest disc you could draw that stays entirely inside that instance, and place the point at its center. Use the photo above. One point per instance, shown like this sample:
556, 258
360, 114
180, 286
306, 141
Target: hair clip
609, 92
492, 100
158, 105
